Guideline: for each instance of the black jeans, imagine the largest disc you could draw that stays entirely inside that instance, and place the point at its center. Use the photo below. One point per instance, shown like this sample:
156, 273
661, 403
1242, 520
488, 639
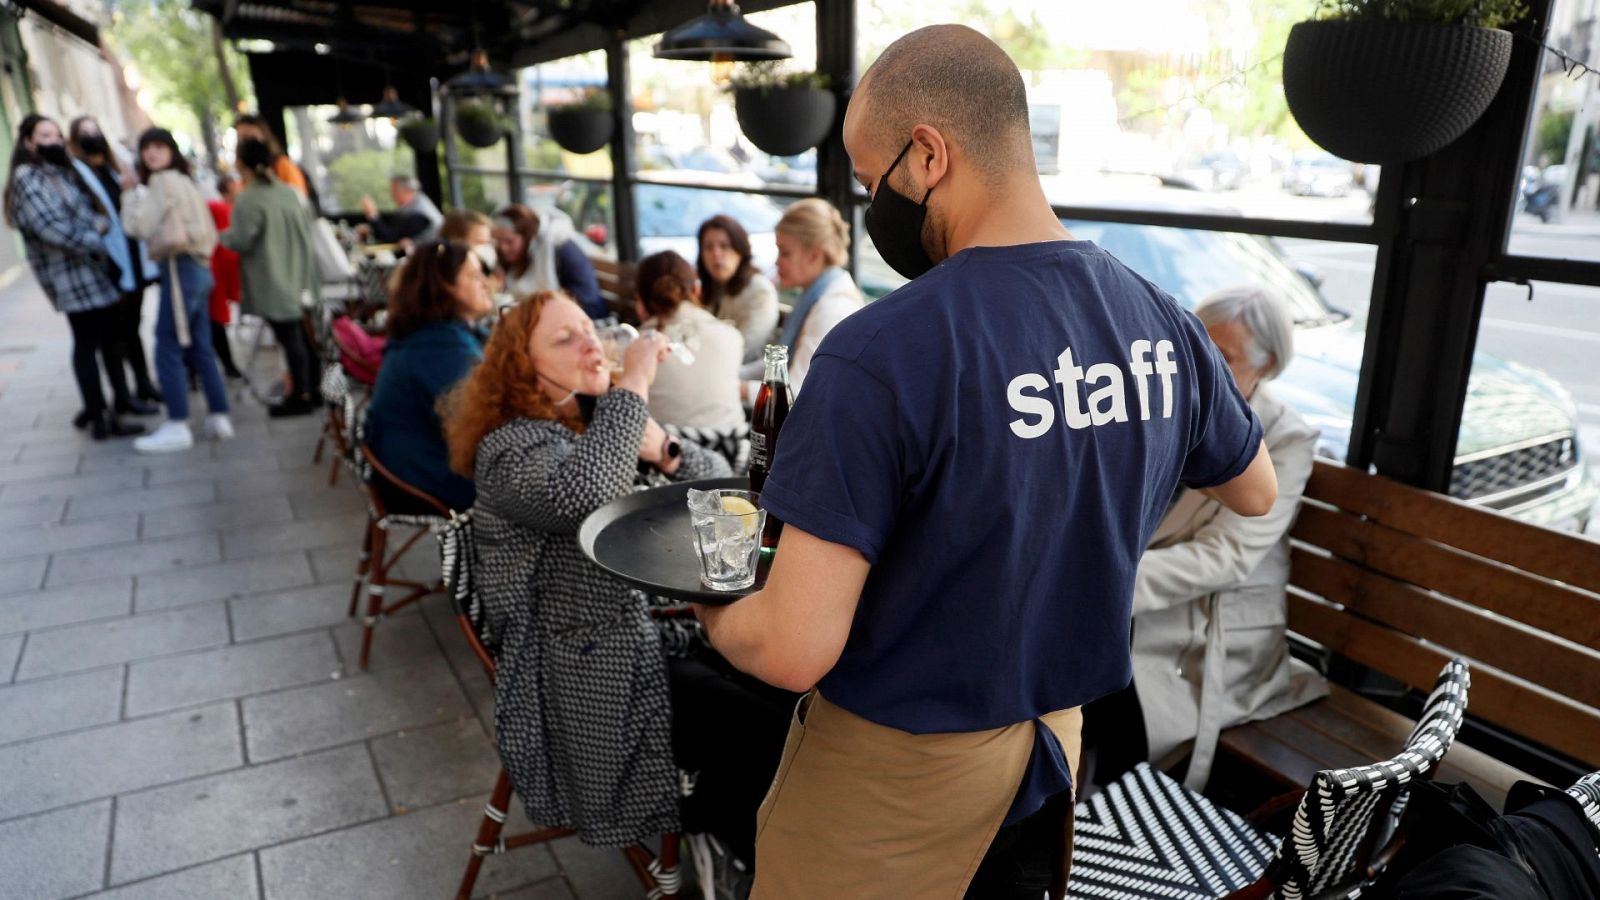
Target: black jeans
96, 338
730, 728
1024, 857
130, 314
219, 343
297, 355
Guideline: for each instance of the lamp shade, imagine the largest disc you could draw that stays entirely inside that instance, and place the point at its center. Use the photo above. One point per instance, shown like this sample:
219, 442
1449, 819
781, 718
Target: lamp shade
347, 115
479, 78
392, 107
722, 34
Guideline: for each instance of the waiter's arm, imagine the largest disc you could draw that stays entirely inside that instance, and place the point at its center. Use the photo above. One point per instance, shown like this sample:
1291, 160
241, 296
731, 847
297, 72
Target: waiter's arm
791, 632
1253, 491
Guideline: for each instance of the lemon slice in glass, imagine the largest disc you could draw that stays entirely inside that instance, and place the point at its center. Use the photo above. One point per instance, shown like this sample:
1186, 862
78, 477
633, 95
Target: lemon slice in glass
739, 506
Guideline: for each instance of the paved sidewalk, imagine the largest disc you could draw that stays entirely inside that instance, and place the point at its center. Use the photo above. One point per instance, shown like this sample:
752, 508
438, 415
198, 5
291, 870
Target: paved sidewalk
180, 714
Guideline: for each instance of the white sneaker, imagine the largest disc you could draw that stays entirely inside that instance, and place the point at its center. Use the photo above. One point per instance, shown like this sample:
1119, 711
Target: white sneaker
171, 437
219, 427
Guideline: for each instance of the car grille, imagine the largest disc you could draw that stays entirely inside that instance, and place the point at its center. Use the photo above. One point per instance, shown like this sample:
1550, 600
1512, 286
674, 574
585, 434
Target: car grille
1503, 472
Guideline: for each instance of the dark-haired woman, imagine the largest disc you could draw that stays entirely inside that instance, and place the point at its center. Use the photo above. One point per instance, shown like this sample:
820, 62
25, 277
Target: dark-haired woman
164, 208
705, 393
62, 233
731, 287
538, 252
442, 290
277, 271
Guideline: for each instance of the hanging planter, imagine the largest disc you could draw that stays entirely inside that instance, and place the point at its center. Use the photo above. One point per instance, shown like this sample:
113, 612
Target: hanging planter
480, 123
584, 126
1385, 90
783, 114
420, 134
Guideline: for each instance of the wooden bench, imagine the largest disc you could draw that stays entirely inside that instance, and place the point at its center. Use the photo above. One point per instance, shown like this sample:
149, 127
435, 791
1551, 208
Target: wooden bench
616, 286
1400, 580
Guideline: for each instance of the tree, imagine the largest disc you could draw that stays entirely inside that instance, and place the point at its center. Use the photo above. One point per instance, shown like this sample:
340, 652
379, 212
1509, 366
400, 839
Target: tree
1554, 129
195, 80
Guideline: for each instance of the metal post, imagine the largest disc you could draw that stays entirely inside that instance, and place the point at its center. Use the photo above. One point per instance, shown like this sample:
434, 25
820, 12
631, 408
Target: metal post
836, 58
619, 85
452, 158
514, 161
1442, 221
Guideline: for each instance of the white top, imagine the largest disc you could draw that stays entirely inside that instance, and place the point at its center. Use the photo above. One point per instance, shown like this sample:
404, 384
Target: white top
705, 394
840, 300
754, 311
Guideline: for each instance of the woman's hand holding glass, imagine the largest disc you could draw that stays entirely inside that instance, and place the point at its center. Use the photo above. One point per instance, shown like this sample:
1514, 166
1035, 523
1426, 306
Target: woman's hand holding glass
639, 362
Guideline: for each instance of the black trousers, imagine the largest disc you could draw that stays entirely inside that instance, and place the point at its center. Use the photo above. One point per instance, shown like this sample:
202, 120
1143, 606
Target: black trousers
1113, 726
96, 339
730, 728
297, 356
1024, 857
219, 343
130, 314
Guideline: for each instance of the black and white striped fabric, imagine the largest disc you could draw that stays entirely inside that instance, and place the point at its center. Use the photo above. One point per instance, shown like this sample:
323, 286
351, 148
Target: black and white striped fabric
1587, 793
731, 444
1147, 836
458, 556
1319, 856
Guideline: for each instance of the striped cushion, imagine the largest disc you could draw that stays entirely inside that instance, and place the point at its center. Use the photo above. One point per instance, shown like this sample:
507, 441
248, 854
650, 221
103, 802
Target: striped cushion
1587, 793
1147, 836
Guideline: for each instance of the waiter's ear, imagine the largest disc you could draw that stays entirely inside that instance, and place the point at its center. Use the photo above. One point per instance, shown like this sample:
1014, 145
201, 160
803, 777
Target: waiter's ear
929, 157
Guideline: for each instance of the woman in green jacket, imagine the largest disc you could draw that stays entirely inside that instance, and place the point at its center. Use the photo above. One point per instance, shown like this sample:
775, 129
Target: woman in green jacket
277, 269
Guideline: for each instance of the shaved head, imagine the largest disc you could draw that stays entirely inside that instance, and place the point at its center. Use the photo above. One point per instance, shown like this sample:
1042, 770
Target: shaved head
958, 81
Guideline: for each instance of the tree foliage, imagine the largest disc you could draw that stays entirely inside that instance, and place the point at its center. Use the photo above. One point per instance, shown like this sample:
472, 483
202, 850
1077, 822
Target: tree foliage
175, 51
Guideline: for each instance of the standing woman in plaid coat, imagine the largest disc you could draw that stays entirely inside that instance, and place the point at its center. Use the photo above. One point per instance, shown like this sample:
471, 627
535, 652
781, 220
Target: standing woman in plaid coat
62, 227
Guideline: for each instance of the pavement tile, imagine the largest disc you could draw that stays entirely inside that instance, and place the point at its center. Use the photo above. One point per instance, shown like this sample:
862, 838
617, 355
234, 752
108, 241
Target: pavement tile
34, 540
22, 574
336, 565
285, 612
234, 671
97, 644
327, 501
436, 764
351, 709
402, 641
43, 511
84, 602
87, 765
213, 517
266, 484
188, 493
421, 854
196, 584
595, 873
233, 878
166, 555
76, 485
333, 531
10, 648
59, 854
229, 466
171, 827
36, 468
550, 889
40, 708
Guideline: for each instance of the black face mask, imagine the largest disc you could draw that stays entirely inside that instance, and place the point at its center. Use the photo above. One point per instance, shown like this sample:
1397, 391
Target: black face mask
894, 222
94, 144
54, 154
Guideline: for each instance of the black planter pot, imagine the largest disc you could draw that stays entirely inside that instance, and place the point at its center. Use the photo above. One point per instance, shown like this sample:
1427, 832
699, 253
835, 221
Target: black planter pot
784, 121
480, 131
1388, 92
580, 130
421, 135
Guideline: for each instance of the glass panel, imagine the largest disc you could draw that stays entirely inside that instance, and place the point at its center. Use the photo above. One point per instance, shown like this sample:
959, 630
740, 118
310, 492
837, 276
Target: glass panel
670, 217
1558, 197
347, 162
1326, 285
1162, 104
687, 129
1531, 427
484, 193
556, 83
589, 204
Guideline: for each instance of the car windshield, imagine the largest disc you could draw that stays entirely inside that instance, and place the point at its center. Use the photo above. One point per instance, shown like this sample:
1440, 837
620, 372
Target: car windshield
1190, 264
666, 211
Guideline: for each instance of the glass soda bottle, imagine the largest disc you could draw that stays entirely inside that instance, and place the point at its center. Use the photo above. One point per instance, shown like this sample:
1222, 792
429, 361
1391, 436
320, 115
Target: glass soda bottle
772, 407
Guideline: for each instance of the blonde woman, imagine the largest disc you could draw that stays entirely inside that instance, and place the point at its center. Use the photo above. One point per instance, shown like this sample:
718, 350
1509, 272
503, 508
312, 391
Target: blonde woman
813, 247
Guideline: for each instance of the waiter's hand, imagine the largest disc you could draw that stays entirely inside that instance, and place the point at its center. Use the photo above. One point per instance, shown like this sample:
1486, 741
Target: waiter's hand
791, 632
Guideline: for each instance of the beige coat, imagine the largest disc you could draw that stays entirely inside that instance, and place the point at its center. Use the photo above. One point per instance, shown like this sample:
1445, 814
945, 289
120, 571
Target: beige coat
1209, 650
170, 194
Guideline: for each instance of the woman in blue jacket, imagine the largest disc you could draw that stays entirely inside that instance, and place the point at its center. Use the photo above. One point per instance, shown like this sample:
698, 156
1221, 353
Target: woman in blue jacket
442, 290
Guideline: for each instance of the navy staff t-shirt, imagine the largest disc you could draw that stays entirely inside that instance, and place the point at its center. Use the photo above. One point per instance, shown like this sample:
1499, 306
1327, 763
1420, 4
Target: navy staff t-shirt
999, 439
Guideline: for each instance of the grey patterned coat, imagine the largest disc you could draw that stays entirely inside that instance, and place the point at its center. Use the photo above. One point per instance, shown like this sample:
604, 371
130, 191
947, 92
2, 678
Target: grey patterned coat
582, 713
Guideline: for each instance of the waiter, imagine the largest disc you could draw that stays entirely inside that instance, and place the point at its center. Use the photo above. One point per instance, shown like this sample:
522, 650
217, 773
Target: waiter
968, 482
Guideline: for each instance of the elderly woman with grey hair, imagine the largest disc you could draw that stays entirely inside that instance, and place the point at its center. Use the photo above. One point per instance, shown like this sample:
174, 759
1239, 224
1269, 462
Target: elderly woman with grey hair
1209, 650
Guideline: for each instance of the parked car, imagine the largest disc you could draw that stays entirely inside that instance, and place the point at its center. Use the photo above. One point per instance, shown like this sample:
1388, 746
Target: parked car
1210, 172
1315, 174
1518, 449
669, 216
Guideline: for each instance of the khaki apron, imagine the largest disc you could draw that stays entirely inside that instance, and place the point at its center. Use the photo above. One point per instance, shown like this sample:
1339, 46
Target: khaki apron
859, 810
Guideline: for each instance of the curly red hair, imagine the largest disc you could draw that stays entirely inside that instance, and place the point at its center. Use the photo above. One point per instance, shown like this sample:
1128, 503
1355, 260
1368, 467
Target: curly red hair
504, 386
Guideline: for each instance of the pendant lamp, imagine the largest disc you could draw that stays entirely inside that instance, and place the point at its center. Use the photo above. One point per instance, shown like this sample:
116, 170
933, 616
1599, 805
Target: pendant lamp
721, 35
392, 107
479, 78
347, 115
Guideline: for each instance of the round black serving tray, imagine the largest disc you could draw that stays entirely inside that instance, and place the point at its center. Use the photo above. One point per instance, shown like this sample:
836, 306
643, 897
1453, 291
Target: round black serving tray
646, 540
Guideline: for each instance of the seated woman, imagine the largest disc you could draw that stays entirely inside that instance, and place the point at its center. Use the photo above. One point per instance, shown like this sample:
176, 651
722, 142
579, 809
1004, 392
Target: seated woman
1209, 650
441, 291
583, 698
813, 246
706, 393
538, 252
731, 288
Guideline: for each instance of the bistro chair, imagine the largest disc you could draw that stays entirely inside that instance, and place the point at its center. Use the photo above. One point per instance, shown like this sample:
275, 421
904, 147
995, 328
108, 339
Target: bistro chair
1146, 836
341, 403
660, 876
392, 506
1587, 792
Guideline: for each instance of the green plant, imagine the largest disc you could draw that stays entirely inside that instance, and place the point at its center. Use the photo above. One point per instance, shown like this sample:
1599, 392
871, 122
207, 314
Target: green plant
1552, 134
482, 115
598, 99
1479, 13
771, 75
365, 173
417, 129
